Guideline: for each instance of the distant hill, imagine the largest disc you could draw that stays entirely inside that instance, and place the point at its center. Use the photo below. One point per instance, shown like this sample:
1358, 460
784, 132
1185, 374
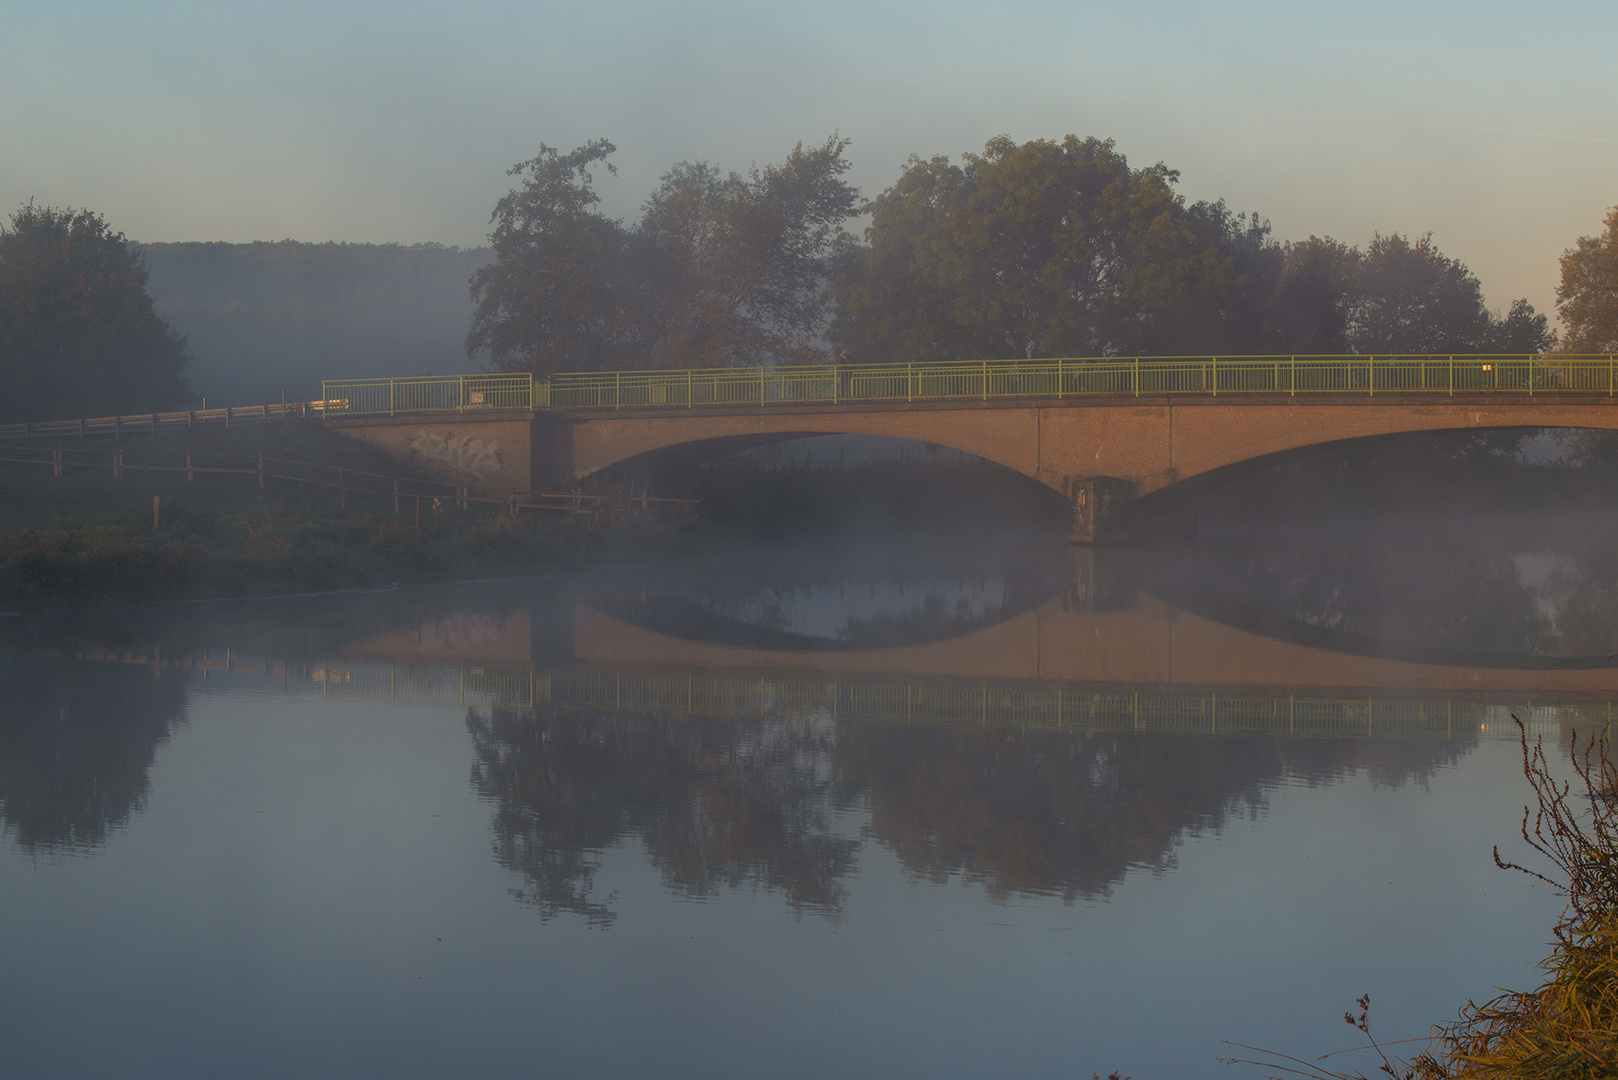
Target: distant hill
264, 317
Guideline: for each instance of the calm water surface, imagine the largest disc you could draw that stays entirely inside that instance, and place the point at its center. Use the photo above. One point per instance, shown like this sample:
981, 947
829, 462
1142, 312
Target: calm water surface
969, 808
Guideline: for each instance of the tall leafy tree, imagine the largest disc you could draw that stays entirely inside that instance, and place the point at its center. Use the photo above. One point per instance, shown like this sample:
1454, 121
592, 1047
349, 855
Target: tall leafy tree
1044, 249
561, 294
722, 268
737, 263
79, 335
1587, 298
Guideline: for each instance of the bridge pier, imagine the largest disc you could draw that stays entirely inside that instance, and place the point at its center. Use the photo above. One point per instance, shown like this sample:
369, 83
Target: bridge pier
1101, 510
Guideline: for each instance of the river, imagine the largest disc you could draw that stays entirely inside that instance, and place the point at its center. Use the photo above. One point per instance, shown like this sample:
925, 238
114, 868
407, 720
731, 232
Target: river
979, 805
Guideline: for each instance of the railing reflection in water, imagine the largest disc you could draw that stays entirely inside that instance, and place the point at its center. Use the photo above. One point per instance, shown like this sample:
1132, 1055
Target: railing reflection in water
952, 702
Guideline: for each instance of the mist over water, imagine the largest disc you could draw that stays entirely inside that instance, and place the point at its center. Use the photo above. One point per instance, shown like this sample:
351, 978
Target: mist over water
940, 804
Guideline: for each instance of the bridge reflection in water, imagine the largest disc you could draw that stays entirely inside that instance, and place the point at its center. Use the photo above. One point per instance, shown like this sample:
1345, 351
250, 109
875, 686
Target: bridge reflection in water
1148, 668
1040, 735
730, 765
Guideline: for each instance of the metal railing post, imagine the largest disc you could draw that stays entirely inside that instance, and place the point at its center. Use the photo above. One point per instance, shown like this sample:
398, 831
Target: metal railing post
1292, 378
910, 374
985, 380
690, 401
1452, 376
617, 389
391, 397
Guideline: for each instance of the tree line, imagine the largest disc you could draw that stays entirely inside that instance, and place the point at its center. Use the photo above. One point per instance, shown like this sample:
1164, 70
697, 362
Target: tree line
1039, 249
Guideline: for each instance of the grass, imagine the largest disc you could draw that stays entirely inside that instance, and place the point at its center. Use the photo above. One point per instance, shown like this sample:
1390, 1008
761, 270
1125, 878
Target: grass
87, 538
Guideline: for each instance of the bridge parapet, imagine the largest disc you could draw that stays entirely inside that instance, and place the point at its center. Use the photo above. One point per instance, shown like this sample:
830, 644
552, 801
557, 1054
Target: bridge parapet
1078, 377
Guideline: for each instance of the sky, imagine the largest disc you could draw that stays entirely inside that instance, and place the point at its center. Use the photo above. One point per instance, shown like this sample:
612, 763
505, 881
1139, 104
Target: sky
1493, 125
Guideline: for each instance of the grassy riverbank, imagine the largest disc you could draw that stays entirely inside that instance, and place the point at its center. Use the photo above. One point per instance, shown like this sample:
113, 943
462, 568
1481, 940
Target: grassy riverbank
270, 549
88, 537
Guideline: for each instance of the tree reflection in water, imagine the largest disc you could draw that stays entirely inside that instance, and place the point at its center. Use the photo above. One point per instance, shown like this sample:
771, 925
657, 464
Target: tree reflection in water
719, 802
1047, 813
714, 802
77, 742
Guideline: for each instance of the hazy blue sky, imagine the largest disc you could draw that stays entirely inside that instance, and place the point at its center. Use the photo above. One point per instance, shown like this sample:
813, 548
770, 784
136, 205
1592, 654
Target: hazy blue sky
1494, 125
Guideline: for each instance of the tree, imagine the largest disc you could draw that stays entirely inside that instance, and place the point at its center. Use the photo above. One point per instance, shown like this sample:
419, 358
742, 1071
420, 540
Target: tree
1309, 306
1411, 298
1045, 249
1587, 298
738, 263
560, 295
722, 269
79, 335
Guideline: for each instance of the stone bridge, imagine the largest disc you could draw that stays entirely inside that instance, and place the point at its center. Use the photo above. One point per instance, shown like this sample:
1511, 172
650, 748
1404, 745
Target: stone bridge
1100, 442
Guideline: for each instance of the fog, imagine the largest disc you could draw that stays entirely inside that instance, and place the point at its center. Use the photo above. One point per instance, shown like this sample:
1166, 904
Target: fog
266, 318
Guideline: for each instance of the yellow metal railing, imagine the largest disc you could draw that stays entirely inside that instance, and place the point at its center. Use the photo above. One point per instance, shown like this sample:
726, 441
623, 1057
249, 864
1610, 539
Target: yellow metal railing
428, 393
963, 380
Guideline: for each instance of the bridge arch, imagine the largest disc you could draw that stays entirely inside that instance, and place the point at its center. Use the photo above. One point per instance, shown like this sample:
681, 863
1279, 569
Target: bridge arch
592, 444
1150, 444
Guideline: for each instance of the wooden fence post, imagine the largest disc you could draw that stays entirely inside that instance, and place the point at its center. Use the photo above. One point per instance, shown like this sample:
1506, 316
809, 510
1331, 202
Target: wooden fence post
395, 496
118, 465
261, 466
155, 504
56, 461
